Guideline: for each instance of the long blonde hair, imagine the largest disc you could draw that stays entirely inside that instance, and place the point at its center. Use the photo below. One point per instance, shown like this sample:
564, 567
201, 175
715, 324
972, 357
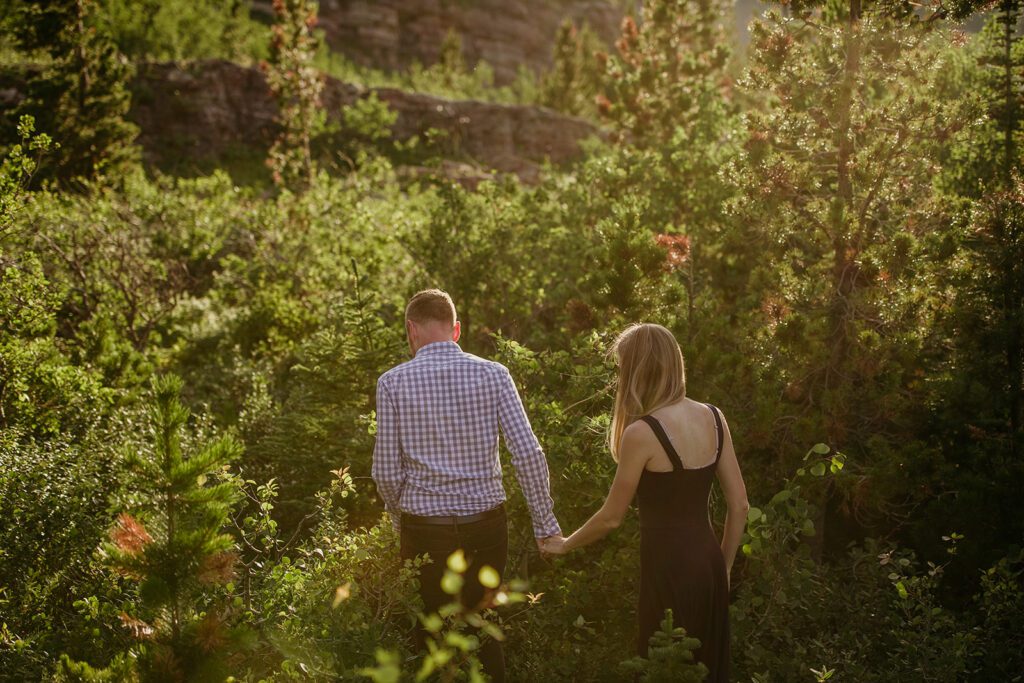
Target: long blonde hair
651, 375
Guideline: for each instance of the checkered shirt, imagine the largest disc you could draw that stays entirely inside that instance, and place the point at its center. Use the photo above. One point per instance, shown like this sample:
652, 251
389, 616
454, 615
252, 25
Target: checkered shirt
438, 417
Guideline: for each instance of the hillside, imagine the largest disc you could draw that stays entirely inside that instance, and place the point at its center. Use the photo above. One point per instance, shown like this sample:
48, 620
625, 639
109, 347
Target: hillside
205, 112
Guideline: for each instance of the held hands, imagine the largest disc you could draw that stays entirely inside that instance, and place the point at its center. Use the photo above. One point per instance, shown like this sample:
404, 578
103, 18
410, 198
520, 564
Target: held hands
552, 545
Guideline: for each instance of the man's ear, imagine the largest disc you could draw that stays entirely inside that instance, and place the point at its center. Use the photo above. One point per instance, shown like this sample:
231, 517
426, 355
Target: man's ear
456, 331
410, 329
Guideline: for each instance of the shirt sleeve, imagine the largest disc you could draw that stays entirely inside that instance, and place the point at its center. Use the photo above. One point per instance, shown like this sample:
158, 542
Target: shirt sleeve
387, 454
527, 457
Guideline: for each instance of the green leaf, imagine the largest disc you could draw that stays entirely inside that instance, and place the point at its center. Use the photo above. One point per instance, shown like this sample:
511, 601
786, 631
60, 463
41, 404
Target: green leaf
754, 514
901, 589
782, 496
451, 583
820, 449
489, 577
457, 562
493, 631
818, 469
432, 623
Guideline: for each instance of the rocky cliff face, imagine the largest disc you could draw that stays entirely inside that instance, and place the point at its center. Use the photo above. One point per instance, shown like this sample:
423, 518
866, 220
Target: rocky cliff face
210, 109
507, 34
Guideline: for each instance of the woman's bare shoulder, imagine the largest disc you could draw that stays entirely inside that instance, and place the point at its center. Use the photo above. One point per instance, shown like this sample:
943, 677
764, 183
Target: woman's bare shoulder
638, 437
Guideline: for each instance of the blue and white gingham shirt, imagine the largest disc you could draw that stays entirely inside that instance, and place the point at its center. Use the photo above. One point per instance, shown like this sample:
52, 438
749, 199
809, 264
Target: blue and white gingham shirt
438, 417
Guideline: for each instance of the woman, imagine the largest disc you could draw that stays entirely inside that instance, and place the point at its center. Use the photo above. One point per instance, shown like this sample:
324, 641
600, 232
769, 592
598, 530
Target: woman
668, 449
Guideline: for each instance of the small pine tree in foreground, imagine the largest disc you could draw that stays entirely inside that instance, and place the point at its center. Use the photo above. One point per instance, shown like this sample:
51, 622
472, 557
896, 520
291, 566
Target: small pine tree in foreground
670, 658
172, 544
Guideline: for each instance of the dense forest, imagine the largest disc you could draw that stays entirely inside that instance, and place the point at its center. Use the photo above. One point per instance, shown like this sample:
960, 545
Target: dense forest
828, 213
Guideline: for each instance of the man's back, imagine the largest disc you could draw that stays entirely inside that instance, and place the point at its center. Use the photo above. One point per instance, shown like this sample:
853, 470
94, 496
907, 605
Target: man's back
439, 416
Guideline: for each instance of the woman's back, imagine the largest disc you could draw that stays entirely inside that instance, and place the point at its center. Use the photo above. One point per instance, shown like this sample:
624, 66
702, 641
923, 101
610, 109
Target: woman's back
692, 429
678, 497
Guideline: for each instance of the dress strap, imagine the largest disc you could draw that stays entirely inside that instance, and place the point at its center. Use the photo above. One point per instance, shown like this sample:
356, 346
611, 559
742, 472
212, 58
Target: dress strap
720, 433
659, 432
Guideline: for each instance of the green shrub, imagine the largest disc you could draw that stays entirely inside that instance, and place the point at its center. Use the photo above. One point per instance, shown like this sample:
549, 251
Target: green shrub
54, 595
154, 30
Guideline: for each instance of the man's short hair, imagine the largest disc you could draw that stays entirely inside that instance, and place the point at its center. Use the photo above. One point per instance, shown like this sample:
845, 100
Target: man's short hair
431, 305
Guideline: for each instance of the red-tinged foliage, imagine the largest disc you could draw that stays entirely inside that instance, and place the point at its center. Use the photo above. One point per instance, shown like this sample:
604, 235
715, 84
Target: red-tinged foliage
219, 568
677, 248
139, 629
211, 633
129, 534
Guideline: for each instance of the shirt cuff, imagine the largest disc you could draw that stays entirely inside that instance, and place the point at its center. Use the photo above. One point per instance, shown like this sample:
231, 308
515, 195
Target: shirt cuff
548, 528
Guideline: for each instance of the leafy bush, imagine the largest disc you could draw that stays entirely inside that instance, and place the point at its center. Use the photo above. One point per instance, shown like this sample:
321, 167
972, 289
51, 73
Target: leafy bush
164, 31
54, 496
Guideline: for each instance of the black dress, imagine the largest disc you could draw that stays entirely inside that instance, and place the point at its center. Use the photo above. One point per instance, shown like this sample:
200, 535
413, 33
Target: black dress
681, 563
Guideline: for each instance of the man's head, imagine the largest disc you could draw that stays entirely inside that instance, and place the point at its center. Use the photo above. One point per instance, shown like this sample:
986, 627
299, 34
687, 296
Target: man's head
430, 317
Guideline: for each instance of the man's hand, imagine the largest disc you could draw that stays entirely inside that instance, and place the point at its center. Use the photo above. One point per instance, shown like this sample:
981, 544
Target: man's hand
552, 545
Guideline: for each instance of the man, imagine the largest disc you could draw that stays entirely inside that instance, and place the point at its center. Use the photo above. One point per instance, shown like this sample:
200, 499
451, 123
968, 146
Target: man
436, 462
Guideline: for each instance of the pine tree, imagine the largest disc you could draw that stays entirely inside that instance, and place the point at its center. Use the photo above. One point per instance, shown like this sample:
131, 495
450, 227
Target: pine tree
296, 84
986, 323
1004, 58
669, 69
990, 158
451, 65
838, 175
1001, 241
173, 545
670, 659
669, 98
994, 294
80, 97
576, 74
832, 228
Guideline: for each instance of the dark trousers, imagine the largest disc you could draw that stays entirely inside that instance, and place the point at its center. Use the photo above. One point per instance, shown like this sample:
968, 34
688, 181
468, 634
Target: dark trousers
484, 543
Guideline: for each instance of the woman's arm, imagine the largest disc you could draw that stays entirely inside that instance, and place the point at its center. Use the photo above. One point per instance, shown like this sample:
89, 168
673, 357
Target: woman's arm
634, 453
735, 491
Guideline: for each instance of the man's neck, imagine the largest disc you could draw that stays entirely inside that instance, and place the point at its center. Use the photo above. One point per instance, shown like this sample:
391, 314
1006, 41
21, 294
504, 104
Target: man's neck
435, 341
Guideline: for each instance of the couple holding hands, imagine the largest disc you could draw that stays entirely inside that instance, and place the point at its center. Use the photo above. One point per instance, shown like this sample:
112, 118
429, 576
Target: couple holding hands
436, 466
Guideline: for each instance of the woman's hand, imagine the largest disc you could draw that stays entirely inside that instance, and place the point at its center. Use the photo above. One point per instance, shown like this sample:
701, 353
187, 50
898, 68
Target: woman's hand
554, 545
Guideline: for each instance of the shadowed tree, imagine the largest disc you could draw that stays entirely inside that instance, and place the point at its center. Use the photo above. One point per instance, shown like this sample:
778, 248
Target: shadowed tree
833, 225
79, 94
576, 74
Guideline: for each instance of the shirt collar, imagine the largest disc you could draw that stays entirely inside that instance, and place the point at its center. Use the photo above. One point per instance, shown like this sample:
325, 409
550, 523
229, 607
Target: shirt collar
434, 348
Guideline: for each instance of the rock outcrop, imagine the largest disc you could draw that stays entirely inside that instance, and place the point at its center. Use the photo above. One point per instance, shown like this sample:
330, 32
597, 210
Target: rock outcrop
507, 34
206, 110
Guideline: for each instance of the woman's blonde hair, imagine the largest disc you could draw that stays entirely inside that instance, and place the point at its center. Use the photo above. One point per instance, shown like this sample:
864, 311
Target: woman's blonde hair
651, 375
